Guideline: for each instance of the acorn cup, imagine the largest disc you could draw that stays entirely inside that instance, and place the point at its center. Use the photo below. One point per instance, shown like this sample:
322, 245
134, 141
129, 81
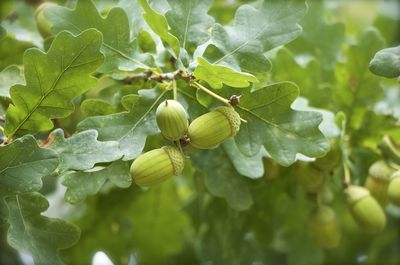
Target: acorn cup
172, 119
394, 189
378, 181
157, 165
324, 227
365, 210
42, 22
211, 129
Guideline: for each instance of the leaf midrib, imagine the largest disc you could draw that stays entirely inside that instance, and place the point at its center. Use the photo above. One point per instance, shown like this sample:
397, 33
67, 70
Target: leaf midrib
44, 96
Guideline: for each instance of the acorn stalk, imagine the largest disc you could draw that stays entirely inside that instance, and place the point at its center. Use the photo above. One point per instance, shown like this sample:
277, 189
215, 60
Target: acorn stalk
213, 128
324, 227
172, 119
157, 165
365, 210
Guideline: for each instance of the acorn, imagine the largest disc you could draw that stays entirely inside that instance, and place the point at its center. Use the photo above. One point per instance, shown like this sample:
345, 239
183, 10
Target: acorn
394, 189
42, 22
324, 227
172, 119
378, 181
310, 178
211, 129
365, 210
157, 165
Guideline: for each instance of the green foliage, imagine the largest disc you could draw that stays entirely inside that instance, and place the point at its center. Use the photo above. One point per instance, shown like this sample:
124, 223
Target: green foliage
52, 81
386, 62
315, 113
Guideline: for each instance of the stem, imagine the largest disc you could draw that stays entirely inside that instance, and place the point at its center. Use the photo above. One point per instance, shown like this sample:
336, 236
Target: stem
174, 90
214, 95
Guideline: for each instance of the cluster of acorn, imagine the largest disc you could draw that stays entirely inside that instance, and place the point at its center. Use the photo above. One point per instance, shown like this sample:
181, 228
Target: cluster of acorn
205, 132
366, 203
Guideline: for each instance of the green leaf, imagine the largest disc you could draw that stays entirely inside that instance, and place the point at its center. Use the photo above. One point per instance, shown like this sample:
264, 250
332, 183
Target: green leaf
53, 79
283, 131
11, 51
217, 75
82, 151
158, 23
36, 234
120, 51
319, 39
386, 62
3, 33
253, 32
81, 184
23, 164
97, 107
248, 166
222, 180
10, 76
129, 129
190, 22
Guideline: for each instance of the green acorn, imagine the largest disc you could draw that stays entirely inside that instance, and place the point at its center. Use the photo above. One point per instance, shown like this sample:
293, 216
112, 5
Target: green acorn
394, 189
378, 181
172, 119
310, 178
42, 22
157, 165
211, 129
365, 210
324, 227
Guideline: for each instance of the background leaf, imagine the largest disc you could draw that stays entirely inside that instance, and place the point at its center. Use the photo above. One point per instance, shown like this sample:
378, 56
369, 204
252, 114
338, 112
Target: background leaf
386, 62
10, 76
62, 73
81, 184
254, 32
120, 51
23, 164
217, 75
189, 22
78, 156
40, 236
283, 131
129, 129
158, 23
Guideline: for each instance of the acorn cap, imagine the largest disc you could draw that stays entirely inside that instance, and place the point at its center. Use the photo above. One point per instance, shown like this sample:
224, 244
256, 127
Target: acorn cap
172, 119
157, 165
211, 129
310, 178
233, 118
365, 210
380, 170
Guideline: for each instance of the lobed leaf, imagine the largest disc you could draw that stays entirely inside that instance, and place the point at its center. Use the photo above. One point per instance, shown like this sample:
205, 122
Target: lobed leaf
10, 76
386, 62
120, 51
82, 151
36, 234
253, 32
53, 79
222, 180
217, 75
81, 184
189, 22
129, 129
158, 23
283, 131
23, 164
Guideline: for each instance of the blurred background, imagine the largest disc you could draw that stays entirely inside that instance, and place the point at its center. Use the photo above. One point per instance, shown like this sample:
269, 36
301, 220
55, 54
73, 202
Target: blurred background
181, 222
